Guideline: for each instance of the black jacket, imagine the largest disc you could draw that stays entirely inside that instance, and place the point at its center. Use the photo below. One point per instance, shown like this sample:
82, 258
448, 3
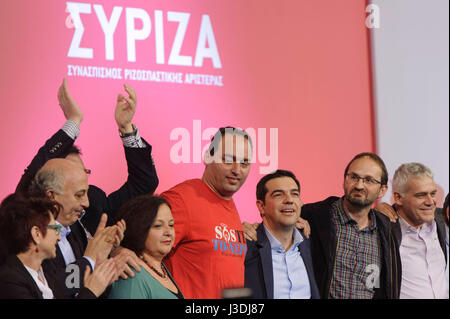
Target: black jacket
142, 178
440, 228
324, 244
259, 271
17, 283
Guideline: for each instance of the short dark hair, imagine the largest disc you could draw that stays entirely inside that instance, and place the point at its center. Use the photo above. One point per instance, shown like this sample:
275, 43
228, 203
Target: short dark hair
139, 213
261, 189
215, 140
376, 159
74, 150
19, 214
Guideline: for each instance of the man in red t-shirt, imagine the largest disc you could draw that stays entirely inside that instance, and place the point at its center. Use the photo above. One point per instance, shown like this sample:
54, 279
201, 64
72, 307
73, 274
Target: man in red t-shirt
209, 250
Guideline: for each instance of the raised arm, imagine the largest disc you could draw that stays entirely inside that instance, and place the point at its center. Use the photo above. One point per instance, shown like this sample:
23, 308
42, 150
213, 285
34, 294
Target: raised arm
58, 144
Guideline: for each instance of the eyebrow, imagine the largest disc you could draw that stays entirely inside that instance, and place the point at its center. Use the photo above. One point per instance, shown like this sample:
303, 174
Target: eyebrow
245, 160
367, 176
162, 221
425, 193
282, 191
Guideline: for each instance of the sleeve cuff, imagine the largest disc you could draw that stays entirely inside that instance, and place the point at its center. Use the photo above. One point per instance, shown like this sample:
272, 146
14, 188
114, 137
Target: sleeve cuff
90, 262
71, 128
133, 141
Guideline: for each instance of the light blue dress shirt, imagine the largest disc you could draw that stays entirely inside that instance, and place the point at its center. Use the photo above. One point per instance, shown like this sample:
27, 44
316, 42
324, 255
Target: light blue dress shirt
66, 249
290, 279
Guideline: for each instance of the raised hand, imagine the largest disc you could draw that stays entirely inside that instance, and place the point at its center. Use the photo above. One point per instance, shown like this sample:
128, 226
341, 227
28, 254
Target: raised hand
121, 227
125, 109
100, 246
68, 105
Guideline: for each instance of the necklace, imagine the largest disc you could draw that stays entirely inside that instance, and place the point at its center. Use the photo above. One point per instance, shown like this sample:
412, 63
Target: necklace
162, 275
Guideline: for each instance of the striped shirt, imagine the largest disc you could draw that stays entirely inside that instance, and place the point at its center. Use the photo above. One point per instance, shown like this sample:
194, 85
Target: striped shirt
357, 261
134, 141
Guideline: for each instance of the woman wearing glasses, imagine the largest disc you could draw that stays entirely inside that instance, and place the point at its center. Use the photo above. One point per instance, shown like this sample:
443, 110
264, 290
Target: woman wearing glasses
29, 234
150, 234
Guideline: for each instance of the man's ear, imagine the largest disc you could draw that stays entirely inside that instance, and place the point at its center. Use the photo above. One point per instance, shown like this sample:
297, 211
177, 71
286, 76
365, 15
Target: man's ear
50, 194
260, 205
398, 199
36, 234
383, 191
207, 158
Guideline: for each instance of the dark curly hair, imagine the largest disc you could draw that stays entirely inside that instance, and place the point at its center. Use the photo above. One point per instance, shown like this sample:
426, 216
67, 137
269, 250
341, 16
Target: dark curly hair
139, 213
19, 213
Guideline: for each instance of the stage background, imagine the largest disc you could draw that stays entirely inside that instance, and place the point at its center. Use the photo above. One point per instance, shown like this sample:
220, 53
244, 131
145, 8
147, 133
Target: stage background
411, 63
301, 68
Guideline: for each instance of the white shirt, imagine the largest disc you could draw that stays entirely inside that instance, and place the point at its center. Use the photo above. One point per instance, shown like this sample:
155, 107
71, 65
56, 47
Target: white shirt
423, 263
41, 282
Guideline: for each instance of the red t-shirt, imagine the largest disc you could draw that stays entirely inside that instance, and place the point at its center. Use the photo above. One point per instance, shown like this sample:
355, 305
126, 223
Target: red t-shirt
209, 250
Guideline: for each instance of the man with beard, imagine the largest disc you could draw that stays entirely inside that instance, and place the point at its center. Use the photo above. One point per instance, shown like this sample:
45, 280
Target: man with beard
354, 252
355, 255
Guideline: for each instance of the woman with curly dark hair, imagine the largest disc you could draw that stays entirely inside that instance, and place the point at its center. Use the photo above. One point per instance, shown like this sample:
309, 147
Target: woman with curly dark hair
150, 234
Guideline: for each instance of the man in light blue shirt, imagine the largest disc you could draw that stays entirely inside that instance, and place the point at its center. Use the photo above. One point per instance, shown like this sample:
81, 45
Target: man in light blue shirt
279, 265
65, 182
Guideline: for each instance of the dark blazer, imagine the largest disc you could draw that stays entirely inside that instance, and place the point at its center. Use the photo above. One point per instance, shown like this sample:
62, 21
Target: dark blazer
259, 271
17, 283
324, 244
142, 178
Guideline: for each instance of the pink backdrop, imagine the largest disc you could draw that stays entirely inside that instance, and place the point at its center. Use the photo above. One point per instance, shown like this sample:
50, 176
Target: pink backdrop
301, 67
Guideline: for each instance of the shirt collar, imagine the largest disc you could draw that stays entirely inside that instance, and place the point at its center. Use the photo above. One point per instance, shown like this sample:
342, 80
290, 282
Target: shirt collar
344, 218
65, 230
407, 228
277, 246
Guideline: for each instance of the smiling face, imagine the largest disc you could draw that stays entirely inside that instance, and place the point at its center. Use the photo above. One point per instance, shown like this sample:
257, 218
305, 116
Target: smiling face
360, 193
282, 204
74, 197
228, 169
417, 204
161, 235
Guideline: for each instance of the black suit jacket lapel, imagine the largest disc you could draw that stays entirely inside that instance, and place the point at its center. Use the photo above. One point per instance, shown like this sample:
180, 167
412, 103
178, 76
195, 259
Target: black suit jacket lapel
305, 253
76, 239
266, 260
17, 266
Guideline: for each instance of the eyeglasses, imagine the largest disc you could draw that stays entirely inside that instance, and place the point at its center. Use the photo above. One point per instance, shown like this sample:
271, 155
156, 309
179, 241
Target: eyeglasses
369, 181
56, 227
